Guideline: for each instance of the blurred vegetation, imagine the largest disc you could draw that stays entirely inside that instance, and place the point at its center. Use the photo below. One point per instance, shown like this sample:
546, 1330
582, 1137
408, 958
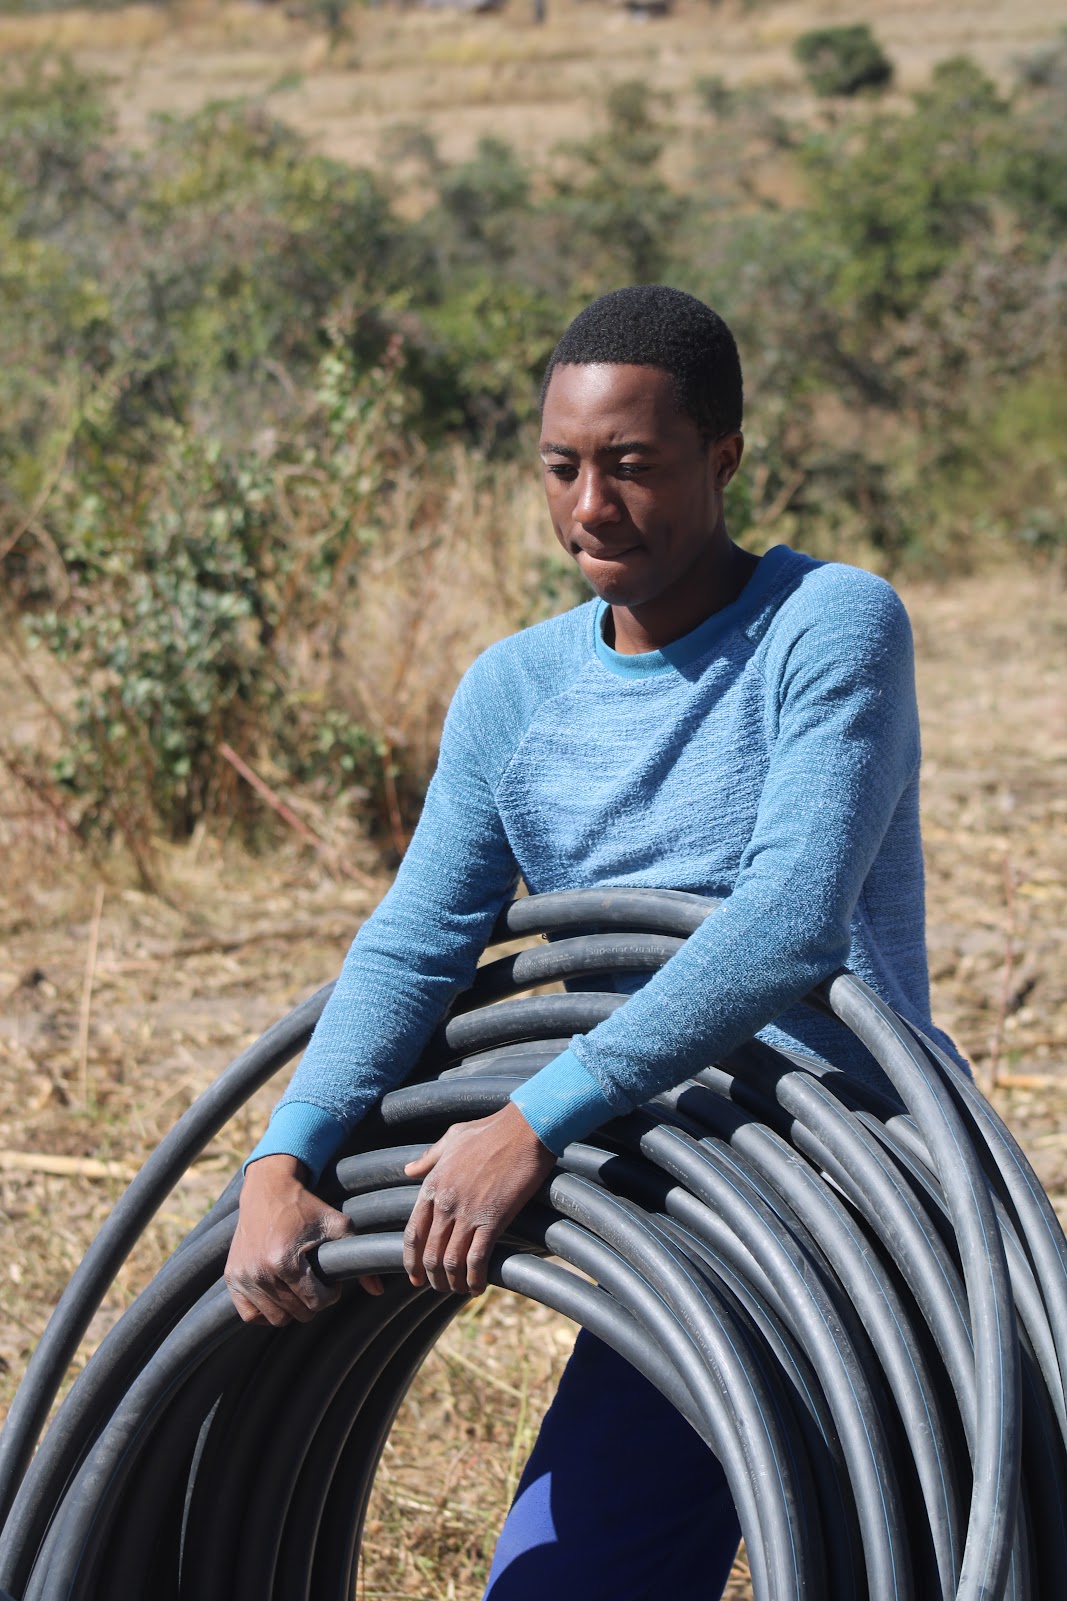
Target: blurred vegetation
843, 60
225, 360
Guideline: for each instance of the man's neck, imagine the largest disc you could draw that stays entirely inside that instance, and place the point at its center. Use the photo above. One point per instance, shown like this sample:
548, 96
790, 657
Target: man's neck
685, 606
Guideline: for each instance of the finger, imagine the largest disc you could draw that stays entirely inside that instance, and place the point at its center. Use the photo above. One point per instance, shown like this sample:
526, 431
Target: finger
246, 1310
265, 1305
335, 1225
308, 1283
421, 1165
436, 1249
371, 1283
454, 1260
415, 1236
290, 1299
313, 1293
478, 1253
283, 1289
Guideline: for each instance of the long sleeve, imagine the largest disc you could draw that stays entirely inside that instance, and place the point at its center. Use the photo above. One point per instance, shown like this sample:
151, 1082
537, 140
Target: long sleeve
418, 948
844, 748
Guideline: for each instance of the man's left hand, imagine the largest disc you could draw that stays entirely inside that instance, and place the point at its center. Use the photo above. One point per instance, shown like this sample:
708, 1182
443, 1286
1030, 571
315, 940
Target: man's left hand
475, 1179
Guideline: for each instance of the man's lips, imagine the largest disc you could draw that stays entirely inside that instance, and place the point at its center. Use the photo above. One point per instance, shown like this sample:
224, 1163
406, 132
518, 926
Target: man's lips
605, 552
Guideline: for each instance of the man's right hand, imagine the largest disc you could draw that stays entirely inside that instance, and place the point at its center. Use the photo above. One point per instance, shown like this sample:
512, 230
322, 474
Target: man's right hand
268, 1271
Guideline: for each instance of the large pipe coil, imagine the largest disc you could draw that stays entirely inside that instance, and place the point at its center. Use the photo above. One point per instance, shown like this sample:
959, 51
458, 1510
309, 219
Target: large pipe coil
854, 1290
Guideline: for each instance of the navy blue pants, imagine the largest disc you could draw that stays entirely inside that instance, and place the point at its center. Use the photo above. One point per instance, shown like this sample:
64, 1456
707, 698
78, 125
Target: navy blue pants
620, 1501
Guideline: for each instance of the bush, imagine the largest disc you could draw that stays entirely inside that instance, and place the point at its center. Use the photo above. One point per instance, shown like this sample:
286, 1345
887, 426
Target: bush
716, 95
1046, 68
168, 637
896, 201
612, 191
187, 604
843, 60
483, 197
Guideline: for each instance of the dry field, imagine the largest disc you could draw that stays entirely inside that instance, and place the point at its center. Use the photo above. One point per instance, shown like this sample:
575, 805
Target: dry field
117, 1007
92, 1073
467, 76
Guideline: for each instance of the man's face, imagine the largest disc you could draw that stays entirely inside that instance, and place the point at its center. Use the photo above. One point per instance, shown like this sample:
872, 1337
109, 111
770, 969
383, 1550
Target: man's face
634, 492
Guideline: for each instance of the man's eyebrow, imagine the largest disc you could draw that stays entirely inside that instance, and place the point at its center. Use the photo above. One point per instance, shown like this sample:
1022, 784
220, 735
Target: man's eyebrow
626, 447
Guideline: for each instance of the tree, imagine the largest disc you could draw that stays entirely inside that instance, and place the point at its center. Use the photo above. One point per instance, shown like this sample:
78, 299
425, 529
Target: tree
896, 200
614, 191
843, 60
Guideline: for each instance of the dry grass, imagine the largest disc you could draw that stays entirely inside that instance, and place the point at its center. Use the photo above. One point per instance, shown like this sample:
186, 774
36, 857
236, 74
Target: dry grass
467, 76
184, 980
992, 692
462, 564
476, 1408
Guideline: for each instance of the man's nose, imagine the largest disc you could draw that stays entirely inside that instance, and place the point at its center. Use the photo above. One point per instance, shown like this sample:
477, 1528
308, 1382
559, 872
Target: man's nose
595, 502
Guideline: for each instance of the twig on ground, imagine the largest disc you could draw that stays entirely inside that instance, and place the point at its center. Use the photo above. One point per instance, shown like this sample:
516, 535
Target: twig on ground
1029, 1081
288, 816
272, 798
33, 784
64, 1167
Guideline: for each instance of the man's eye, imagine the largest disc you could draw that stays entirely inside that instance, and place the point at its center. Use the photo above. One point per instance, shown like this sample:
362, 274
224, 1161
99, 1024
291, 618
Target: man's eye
560, 469
631, 469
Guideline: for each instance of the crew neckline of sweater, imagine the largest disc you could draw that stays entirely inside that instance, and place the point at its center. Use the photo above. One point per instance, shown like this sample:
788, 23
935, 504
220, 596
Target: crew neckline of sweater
680, 653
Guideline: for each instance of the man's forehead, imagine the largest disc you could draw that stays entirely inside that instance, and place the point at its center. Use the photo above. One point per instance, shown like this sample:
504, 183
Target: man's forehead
618, 402
608, 380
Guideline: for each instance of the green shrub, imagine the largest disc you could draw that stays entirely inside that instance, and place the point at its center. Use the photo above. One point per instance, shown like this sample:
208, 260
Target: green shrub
716, 95
494, 337
843, 60
1008, 471
168, 638
1046, 68
60, 170
897, 200
335, 16
482, 198
187, 603
613, 192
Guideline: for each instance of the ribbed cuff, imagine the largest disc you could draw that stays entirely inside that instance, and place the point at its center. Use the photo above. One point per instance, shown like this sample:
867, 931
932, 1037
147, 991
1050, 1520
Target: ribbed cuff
563, 1102
300, 1129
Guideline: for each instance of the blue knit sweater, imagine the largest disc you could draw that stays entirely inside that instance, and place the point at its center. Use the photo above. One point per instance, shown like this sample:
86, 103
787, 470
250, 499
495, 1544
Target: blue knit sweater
770, 758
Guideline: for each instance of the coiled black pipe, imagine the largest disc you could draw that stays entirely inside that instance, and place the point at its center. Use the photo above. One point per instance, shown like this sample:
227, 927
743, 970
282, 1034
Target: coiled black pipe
856, 1294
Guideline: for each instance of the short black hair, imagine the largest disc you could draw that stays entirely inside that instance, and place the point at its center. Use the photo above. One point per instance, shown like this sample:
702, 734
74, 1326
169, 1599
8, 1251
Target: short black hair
651, 325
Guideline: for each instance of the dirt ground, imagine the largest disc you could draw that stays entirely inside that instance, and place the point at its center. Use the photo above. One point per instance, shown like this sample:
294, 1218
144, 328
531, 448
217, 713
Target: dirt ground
465, 76
94, 1069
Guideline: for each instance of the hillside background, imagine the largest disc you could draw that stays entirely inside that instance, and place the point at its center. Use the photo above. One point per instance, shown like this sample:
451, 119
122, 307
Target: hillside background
276, 288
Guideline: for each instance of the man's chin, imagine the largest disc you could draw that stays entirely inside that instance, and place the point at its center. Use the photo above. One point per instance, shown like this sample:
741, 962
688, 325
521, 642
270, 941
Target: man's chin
619, 582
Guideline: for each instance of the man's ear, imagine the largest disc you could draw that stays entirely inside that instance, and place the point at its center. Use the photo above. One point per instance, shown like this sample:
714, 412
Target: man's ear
728, 452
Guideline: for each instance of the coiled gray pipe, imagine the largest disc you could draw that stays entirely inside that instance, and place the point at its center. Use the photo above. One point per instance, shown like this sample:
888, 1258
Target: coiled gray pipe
857, 1296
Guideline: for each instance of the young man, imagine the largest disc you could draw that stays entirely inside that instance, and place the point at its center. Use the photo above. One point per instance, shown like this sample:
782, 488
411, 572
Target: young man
713, 722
